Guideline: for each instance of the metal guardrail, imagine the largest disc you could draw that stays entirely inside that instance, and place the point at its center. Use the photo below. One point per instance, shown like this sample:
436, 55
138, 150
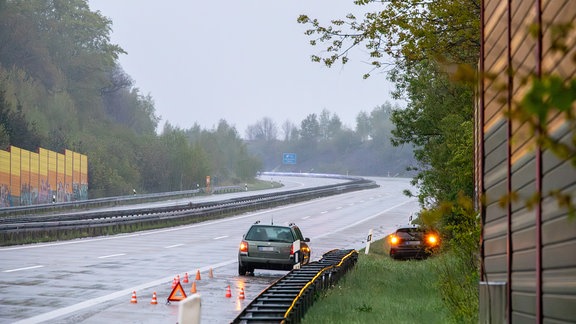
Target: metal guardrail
14, 229
82, 205
96, 203
287, 300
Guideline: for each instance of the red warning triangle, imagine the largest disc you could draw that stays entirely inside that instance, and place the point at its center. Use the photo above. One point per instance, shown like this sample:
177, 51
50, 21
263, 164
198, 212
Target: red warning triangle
177, 293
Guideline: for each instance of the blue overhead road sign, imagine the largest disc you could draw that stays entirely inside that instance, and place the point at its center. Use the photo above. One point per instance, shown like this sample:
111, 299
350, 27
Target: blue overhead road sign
289, 158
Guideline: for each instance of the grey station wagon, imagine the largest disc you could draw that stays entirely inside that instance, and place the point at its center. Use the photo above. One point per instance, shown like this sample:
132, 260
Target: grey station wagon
271, 247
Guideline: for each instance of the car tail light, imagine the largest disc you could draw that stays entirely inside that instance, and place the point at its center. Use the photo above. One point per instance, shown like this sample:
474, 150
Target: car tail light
244, 247
432, 239
292, 249
394, 239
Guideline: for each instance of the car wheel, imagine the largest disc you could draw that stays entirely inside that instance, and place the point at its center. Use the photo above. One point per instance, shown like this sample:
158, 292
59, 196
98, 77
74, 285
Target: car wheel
241, 270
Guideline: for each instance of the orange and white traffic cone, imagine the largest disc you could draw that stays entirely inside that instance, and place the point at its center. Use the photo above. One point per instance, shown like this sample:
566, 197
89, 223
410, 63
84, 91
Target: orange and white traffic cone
174, 283
133, 300
198, 275
177, 278
210, 274
193, 289
228, 292
185, 278
241, 296
154, 299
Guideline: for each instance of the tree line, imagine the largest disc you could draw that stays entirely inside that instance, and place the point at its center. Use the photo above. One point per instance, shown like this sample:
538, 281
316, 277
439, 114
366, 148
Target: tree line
429, 50
322, 144
61, 87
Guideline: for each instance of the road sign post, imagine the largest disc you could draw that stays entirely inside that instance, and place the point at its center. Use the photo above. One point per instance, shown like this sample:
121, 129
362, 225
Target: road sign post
369, 240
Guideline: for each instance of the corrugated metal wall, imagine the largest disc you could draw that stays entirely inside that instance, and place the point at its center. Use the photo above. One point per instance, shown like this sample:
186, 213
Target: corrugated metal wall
532, 249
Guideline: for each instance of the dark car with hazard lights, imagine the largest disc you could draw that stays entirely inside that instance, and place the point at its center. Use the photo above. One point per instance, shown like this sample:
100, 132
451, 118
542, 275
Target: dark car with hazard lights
272, 247
413, 242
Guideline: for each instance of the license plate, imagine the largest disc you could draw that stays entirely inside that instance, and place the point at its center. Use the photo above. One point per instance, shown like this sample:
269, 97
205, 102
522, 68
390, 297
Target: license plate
412, 242
266, 248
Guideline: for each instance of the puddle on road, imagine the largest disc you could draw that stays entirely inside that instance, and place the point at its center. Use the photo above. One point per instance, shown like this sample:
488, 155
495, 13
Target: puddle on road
216, 307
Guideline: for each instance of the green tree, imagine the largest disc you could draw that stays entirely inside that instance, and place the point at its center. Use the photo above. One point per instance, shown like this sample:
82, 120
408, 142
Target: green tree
334, 127
381, 125
410, 30
427, 46
418, 42
346, 141
201, 164
310, 129
363, 125
438, 120
290, 131
227, 154
263, 130
309, 136
17, 130
62, 88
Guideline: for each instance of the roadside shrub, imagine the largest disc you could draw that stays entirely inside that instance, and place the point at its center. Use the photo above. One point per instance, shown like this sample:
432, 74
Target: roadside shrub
458, 266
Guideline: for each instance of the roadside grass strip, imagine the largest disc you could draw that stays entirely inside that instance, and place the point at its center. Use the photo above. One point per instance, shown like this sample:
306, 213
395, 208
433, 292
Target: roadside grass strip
381, 290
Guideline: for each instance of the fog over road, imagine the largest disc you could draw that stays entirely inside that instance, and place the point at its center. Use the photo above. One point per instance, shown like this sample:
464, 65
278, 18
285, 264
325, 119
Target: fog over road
91, 280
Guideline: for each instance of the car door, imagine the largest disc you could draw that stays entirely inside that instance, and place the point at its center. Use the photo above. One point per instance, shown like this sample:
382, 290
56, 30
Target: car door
304, 247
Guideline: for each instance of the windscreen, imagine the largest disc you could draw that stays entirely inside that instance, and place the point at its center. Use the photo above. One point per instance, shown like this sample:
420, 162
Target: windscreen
270, 234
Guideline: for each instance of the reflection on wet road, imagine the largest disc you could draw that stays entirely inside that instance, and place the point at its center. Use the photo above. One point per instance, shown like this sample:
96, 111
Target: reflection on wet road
91, 280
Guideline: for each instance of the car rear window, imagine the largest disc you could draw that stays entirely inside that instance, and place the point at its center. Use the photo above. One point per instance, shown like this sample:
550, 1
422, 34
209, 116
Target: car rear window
410, 233
270, 234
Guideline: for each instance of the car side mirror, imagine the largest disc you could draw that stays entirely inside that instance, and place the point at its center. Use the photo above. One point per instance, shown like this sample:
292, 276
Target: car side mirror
306, 240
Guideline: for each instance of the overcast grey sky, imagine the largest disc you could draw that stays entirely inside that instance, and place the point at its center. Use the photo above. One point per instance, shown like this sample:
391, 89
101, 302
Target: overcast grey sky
203, 61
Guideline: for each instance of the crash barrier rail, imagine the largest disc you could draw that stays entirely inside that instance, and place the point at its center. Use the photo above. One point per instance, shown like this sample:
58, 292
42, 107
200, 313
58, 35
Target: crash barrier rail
288, 299
111, 201
14, 229
60, 207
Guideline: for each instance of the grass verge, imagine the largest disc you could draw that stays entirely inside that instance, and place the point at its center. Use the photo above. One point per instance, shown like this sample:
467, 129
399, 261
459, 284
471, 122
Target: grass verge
382, 290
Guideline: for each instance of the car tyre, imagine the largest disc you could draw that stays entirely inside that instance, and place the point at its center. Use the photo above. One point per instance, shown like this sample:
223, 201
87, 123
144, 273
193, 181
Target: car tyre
241, 270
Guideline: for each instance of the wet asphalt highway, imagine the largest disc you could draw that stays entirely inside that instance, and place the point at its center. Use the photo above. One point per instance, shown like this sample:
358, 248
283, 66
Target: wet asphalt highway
92, 280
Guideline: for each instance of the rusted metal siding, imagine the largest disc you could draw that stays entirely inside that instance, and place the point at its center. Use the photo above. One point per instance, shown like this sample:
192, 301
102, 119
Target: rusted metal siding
532, 248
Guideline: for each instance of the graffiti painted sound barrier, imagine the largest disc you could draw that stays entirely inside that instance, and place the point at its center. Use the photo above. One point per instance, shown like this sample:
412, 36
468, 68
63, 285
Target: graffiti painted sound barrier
29, 178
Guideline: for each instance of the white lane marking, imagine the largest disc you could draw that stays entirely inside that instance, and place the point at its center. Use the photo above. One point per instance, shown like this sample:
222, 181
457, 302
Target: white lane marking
99, 300
111, 255
305, 217
126, 292
220, 237
173, 246
21, 269
339, 207
324, 212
